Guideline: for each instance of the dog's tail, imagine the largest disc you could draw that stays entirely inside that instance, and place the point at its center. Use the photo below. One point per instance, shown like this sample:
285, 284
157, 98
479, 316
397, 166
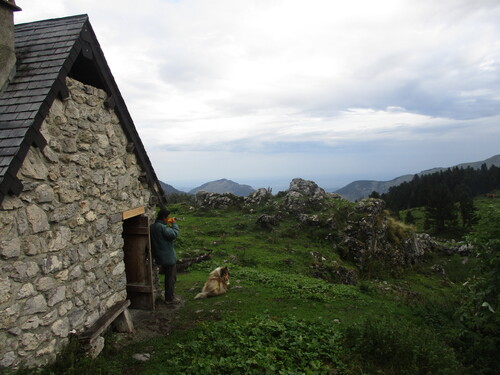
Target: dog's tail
201, 295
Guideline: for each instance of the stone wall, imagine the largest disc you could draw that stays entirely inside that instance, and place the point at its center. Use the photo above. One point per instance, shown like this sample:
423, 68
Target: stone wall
61, 249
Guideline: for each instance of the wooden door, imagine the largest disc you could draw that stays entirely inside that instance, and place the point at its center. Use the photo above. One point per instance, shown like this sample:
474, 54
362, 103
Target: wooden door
137, 258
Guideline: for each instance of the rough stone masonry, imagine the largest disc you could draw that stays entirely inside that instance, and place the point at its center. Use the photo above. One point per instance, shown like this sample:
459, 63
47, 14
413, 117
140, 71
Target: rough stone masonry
61, 246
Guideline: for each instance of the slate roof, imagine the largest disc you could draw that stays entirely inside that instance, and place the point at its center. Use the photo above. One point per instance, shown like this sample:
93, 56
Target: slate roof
47, 52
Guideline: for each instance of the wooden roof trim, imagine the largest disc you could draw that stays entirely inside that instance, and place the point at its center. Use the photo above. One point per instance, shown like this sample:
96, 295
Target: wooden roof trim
10, 5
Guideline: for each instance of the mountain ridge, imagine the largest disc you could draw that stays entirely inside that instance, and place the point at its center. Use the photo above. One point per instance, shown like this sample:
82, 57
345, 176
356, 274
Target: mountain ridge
169, 189
224, 186
363, 188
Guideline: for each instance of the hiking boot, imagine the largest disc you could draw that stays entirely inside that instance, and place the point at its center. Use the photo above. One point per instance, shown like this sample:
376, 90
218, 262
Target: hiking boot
176, 300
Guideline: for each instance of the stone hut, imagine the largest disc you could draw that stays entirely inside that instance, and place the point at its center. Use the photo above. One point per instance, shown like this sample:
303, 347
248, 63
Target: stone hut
77, 191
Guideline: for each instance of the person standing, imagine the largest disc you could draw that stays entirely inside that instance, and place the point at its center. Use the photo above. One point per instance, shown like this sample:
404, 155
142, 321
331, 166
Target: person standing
163, 232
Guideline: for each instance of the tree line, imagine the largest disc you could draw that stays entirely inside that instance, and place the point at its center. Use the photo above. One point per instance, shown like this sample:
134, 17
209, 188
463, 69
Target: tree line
446, 195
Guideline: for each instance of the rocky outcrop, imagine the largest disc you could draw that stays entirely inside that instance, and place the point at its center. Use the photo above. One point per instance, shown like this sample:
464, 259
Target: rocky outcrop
303, 196
258, 197
371, 239
206, 199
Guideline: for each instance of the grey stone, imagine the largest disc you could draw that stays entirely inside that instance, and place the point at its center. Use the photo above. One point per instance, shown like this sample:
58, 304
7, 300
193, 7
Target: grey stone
142, 357
32, 322
57, 296
119, 269
33, 245
48, 349
37, 219
77, 318
63, 213
51, 264
62, 239
27, 290
35, 305
33, 167
5, 287
45, 283
96, 347
24, 271
61, 327
45, 193
30, 341
11, 248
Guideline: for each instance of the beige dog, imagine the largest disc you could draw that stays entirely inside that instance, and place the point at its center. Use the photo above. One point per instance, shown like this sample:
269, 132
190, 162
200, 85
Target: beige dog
217, 283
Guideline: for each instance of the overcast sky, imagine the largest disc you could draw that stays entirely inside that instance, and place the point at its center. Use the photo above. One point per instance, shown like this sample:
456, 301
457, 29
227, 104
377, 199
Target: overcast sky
263, 91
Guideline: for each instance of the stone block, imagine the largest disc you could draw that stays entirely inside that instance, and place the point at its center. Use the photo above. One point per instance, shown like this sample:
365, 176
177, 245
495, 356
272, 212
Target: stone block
30, 341
44, 193
35, 305
57, 296
51, 264
37, 219
45, 283
123, 322
11, 248
96, 346
27, 290
60, 327
33, 165
5, 287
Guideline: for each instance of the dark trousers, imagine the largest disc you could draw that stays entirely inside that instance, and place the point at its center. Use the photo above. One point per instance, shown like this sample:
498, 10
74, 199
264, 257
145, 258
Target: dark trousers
170, 278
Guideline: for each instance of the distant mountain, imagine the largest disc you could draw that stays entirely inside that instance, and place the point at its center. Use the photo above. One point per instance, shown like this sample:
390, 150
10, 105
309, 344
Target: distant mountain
169, 189
224, 186
363, 188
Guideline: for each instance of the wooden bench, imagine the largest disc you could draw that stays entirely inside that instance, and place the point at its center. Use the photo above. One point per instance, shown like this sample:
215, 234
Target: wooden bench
117, 314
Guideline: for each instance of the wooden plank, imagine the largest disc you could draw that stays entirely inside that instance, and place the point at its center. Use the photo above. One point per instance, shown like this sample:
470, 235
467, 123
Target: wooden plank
104, 321
133, 212
139, 288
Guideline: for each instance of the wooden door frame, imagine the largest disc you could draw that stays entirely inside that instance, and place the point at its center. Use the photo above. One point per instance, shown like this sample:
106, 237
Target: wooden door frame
141, 294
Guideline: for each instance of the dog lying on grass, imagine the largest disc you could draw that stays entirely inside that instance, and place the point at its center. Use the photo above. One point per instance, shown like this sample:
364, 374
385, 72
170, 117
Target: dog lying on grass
217, 283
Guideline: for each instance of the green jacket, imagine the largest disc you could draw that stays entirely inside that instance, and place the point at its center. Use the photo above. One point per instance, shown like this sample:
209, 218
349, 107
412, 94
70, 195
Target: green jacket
162, 242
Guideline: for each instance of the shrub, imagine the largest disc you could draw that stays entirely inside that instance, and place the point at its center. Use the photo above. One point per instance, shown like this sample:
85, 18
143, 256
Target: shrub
388, 347
480, 337
259, 346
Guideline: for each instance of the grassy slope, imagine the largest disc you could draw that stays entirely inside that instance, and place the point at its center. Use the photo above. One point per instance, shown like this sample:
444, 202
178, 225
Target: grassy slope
271, 270
272, 284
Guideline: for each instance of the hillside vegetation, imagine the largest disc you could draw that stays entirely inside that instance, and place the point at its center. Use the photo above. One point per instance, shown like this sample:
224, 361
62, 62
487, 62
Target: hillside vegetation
319, 285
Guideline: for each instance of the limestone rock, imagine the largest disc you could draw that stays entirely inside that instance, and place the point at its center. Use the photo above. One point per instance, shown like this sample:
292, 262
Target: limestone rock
37, 219
10, 249
96, 347
35, 305
306, 188
216, 200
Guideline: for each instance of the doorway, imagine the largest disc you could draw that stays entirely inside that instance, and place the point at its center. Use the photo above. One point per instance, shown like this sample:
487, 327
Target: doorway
137, 258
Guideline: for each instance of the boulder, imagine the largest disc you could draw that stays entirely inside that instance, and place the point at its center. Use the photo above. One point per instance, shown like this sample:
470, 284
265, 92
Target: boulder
306, 188
303, 196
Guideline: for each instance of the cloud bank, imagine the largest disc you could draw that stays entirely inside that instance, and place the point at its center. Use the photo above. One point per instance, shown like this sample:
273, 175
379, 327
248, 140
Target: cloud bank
273, 88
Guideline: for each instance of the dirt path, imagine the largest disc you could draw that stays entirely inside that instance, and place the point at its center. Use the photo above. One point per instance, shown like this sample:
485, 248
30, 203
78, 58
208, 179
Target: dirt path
149, 324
